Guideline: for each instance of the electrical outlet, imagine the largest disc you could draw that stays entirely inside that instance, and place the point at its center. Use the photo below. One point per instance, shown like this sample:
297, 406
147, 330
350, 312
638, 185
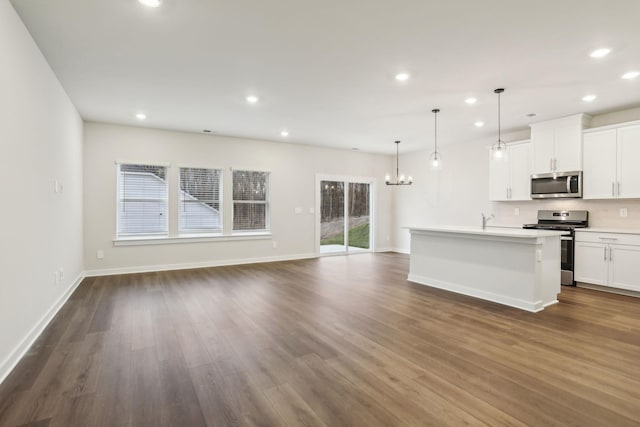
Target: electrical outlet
275, 245
623, 212
312, 210
100, 254
516, 211
298, 211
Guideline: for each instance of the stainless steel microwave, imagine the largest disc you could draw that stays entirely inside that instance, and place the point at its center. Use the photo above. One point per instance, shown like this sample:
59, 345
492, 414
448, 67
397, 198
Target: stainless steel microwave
556, 185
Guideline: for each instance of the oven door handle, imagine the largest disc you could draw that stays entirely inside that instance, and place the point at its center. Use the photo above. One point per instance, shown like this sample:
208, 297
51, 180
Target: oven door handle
569, 185
566, 238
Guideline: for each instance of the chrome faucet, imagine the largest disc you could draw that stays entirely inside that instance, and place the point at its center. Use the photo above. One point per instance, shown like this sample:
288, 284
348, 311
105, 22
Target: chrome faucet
485, 220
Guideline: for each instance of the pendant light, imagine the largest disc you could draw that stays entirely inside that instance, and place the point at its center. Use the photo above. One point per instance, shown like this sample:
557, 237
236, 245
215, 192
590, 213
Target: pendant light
499, 150
400, 179
436, 157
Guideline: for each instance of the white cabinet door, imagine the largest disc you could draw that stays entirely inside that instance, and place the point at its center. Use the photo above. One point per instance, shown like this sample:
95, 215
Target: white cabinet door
591, 263
599, 176
624, 267
498, 178
628, 161
543, 151
520, 171
568, 148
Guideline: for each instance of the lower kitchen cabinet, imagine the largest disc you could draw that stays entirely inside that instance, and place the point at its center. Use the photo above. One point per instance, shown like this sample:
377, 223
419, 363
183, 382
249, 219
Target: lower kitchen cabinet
608, 259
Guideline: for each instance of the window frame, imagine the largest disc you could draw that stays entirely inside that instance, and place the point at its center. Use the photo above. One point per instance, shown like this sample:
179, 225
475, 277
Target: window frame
119, 200
203, 231
266, 202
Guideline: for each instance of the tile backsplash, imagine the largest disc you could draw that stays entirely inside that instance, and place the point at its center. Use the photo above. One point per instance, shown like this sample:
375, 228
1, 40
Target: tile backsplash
602, 213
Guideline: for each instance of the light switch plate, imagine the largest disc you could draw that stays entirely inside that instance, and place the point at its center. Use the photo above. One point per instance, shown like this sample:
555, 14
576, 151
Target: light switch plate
623, 212
298, 211
516, 211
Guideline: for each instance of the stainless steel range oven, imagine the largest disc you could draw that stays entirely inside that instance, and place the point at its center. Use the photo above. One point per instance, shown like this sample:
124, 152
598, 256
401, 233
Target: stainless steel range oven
566, 221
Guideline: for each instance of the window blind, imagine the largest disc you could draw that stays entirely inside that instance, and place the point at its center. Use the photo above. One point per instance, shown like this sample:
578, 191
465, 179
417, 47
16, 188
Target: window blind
250, 200
142, 197
200, 200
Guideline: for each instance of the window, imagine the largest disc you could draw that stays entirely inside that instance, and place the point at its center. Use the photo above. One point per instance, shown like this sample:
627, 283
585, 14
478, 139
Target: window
250, 200
200, 200
142, 200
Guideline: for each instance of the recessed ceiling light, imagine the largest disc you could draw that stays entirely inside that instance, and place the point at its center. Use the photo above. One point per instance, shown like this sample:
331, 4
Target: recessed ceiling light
402, 77
141, 116
285, 133
150, 3
252, 99
600, 53
478, 124
589, 98
471, 101
631, 75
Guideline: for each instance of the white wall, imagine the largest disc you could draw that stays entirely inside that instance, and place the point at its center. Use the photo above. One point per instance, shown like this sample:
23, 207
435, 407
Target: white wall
40, 140
293, 179
459, 193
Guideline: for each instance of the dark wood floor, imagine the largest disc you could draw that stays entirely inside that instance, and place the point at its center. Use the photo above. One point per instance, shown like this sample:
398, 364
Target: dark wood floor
331, 341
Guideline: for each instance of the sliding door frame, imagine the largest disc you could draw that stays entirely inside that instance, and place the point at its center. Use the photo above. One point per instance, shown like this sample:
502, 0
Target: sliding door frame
372, 210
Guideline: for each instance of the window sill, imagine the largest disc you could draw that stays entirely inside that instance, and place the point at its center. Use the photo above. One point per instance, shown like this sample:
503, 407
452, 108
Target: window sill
188, 238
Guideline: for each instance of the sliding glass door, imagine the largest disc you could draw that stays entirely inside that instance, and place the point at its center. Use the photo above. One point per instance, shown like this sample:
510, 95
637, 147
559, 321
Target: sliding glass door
345, 216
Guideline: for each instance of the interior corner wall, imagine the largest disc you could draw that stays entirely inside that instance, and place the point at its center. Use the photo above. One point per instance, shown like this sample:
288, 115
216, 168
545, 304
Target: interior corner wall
41, 141
293, 169
456, 194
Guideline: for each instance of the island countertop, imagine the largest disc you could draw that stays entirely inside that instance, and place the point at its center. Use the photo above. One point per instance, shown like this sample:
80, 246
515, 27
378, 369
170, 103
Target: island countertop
489, 231
512, 266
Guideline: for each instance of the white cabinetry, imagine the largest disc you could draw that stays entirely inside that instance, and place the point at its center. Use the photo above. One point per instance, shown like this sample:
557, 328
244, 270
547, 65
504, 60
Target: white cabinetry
557, 144
610, 163
608, 259
510, 177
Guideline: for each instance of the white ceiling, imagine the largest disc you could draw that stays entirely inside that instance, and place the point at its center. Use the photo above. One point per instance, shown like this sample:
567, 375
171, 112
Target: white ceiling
325, 70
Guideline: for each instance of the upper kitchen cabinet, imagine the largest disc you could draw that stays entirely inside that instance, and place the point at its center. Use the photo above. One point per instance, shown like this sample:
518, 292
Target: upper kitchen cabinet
557, 144
611, 154
510, 177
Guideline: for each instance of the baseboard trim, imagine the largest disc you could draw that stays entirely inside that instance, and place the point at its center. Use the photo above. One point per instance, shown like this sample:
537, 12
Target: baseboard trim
192, 265
21, 349
533, 307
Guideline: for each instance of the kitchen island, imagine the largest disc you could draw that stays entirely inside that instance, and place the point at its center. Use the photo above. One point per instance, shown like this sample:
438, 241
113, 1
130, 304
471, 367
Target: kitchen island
511, 266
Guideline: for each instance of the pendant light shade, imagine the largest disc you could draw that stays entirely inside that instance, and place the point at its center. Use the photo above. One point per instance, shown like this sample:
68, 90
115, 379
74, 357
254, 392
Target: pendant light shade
436, 157
499, 149
400, 179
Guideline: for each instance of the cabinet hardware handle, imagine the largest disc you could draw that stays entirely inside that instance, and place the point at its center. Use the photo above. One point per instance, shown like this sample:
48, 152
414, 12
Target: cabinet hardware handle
607, 238
605, 253
618, 188
610, 253
551, 164
613, 191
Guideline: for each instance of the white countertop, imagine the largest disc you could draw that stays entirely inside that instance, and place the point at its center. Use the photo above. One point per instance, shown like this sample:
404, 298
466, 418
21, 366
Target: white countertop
609, 230
490, 231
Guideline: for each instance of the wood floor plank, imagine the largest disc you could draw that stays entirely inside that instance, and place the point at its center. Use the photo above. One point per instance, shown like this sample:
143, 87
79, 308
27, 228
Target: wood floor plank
323, 342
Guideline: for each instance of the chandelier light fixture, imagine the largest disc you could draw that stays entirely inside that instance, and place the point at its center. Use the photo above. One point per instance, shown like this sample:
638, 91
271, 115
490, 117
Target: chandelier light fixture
436, 157
499, 150
400, 179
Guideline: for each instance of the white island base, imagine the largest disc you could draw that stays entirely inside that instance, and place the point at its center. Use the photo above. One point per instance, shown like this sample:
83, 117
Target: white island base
515, 267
